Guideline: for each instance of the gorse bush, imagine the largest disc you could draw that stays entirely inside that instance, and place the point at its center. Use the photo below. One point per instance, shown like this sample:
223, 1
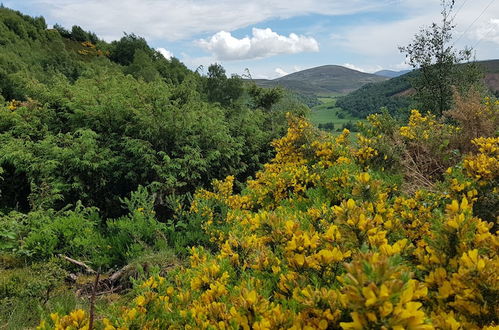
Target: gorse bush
321, 238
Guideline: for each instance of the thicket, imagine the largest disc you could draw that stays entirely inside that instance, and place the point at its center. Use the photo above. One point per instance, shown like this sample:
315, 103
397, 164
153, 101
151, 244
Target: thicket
372, 97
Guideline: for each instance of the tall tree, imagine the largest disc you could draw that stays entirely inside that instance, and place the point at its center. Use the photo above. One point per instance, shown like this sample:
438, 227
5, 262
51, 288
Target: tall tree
441, 67
221, 89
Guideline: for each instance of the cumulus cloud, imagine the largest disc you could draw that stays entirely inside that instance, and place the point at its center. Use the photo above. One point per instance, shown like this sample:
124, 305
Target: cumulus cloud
166, 53
263, 43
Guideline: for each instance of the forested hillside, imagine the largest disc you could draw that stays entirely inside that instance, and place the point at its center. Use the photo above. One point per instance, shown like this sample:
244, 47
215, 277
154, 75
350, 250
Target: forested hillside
92, 121
396, 94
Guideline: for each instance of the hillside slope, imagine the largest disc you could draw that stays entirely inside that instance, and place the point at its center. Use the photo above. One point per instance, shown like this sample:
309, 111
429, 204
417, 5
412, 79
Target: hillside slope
324, 79
396, 93
391, 73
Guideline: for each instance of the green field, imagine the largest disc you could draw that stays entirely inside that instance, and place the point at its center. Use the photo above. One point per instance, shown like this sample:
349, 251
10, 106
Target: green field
328, 112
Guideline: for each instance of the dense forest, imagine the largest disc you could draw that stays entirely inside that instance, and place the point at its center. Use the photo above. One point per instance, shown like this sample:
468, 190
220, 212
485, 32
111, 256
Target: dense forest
137, 194
372, 97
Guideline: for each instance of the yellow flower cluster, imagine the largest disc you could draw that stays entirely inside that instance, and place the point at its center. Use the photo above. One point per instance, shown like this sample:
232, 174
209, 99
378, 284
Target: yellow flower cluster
316, 241
91, 49
13, 105
424, 127
484, 166
76, 320
88, 44
382, 296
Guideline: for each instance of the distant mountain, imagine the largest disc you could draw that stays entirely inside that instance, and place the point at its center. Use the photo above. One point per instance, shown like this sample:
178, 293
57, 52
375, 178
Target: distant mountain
323, 79
396, 93
391, 73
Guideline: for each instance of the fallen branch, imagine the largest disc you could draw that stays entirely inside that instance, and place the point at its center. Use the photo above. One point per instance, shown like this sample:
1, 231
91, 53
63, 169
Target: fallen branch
79, 263
118, 274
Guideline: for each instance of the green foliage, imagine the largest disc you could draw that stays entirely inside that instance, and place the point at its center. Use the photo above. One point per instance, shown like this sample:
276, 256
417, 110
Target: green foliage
371, 98
219, 88
265, 97
327, 126
123, 51
62, 31
129, 236
33, 282
78, 34
85, 131
72, 233
10, 228
88, 127
142, 67
31, 292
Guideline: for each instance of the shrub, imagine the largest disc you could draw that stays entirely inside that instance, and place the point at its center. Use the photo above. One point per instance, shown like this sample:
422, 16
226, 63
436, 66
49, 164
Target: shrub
129, 236
72, 233
475, 117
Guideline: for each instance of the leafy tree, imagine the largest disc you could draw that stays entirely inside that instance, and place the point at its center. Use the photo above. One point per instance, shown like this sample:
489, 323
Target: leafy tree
172, 70
123, 51
265, 98
142, 67
62, 31
221, 89
436, 59
78, 34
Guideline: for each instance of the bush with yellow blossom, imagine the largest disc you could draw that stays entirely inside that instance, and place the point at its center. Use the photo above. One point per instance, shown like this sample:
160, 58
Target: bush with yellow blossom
319, 240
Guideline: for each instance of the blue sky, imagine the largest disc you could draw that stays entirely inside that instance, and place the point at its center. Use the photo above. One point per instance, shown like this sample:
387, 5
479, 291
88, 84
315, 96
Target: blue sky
275, 37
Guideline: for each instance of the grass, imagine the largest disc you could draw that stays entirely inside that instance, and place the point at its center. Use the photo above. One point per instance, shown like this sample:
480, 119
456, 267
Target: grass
328, 112
330, 94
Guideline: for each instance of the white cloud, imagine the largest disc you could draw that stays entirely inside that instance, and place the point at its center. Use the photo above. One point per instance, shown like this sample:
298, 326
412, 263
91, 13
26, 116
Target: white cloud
368, 69
166, 53
353, 67
487, 32
281, 72
263, 43
174, 20
380, 39
401, 66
